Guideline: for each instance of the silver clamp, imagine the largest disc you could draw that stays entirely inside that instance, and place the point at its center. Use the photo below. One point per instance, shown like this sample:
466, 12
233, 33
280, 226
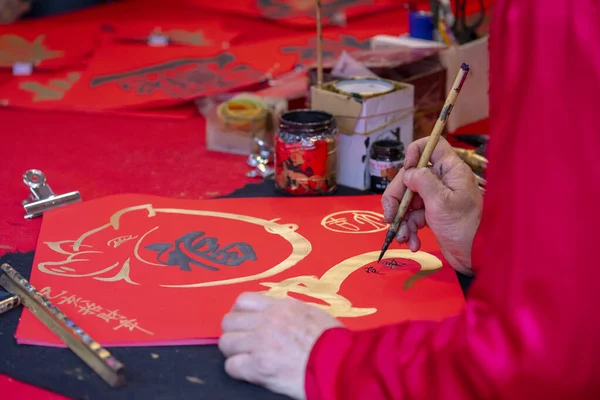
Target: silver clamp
260, 159
42, 198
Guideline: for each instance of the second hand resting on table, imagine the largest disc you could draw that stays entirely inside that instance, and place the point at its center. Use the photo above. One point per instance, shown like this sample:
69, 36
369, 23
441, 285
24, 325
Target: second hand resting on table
268, 341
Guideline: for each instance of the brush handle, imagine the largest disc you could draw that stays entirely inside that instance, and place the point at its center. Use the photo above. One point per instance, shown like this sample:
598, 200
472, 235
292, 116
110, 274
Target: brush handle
433, 140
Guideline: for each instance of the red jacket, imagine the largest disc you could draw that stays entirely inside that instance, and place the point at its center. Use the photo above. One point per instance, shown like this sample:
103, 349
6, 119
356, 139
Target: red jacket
531, 326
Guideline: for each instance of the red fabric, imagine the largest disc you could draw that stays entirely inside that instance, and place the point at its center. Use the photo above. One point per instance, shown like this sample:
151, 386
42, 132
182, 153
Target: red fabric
530, 328
103, 155
12, 389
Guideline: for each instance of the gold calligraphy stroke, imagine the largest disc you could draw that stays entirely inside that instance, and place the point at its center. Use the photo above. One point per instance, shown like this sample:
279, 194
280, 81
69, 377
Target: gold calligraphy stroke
327, 287
338, 221
195, 38
54, 90
301, 247
14, 49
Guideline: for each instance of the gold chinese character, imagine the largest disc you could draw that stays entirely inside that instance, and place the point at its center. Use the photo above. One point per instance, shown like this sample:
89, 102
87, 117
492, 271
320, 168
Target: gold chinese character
131, 324
89, 308
72, 300
47, 293
110, 316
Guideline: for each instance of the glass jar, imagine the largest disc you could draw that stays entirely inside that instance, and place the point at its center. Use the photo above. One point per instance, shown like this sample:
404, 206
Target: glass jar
306, 153
385, 160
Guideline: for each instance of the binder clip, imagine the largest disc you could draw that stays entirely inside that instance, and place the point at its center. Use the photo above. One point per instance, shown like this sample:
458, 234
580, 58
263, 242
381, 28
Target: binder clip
42, 198
158, 39
22, 69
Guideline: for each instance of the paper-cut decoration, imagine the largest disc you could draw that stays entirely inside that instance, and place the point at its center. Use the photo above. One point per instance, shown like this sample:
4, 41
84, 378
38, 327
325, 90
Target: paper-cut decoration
355, 221
145, 270
55, 89
16, 49
48, 47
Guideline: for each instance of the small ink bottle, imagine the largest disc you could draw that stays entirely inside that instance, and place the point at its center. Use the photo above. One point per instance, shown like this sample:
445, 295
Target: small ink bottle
384, 163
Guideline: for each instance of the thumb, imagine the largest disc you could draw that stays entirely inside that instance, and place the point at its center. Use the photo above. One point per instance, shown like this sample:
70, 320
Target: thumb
424, 182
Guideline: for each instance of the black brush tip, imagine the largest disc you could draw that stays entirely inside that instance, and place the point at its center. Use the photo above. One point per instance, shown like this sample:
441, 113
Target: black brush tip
465, 66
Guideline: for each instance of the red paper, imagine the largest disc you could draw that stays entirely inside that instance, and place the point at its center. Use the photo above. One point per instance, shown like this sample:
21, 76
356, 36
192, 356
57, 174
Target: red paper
300, 12
155, 77
47, 91
144, 270
304, 47
205, 34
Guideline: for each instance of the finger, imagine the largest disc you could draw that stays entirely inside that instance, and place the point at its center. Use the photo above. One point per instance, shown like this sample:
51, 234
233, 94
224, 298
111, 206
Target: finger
250, 301
414, 150
403, 233
390, 200
232, 343
414, 243
417, 217
237, 321
240, 366
429, 186
417, 202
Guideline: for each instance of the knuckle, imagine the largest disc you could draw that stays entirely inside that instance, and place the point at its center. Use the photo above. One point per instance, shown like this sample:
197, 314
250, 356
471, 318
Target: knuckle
264, 364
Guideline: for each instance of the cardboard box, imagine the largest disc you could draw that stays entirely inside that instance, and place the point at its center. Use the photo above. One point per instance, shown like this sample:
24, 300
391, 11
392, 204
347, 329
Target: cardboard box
473, 103
426, 74
362, 122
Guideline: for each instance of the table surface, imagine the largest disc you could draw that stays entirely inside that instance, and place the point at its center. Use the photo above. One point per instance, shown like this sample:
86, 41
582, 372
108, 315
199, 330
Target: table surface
174, 372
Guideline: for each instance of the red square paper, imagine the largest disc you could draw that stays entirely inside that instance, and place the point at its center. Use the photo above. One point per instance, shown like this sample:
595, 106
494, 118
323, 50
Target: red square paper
144, 270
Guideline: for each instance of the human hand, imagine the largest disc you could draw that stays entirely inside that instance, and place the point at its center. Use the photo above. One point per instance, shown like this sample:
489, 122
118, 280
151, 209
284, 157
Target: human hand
447, 199
267, 341
12, 10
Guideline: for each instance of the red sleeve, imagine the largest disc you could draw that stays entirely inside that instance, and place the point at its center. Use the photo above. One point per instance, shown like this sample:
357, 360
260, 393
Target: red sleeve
531, 325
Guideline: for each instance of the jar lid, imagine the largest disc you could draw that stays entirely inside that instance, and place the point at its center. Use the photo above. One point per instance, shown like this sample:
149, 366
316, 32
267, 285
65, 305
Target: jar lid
388, 148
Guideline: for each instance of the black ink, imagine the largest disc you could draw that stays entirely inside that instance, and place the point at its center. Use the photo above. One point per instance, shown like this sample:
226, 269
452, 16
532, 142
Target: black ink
441, 170
372, 270
183, 77
194, 248
367, 142
278, 9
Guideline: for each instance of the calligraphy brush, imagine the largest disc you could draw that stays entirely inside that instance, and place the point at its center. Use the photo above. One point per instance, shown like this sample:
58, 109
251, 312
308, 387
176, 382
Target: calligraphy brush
426, 155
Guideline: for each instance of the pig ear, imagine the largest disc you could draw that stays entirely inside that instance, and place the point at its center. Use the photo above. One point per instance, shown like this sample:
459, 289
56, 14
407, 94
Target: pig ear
64, 247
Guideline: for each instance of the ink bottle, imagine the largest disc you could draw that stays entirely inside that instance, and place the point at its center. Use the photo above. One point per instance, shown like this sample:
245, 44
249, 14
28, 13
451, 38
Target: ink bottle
385, 160
306, 153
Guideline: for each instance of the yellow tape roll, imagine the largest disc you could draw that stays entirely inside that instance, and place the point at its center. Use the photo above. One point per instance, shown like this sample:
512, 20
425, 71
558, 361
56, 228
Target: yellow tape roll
243, 113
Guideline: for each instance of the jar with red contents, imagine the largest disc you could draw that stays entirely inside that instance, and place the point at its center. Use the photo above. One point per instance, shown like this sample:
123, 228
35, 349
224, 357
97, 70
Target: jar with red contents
306, 153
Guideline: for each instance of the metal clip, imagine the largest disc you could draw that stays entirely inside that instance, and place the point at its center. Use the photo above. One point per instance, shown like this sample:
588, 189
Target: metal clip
260, 159
42, 198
